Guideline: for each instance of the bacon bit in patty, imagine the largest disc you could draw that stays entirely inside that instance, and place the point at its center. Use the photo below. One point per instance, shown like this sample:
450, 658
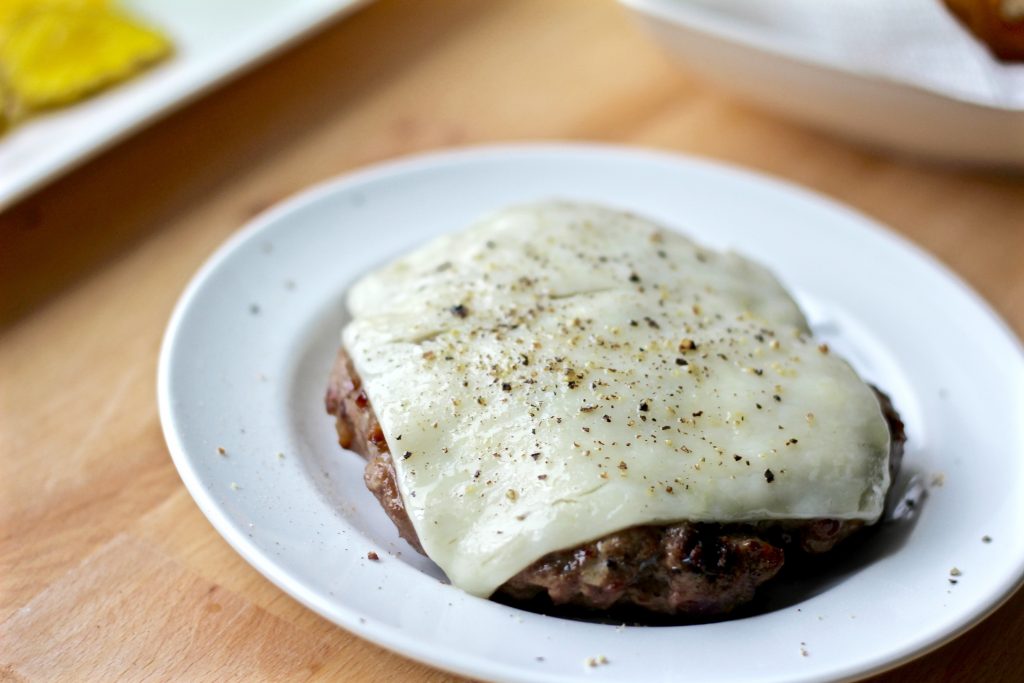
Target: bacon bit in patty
377, 437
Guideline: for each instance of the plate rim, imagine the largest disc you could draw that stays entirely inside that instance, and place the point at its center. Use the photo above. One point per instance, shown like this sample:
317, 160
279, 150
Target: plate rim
394, 639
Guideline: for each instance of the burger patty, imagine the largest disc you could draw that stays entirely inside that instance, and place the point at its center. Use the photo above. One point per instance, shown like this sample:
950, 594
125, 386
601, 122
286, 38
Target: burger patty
692, 569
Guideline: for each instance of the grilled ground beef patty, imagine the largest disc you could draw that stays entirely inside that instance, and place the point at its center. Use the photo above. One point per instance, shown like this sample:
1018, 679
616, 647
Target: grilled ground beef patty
683, 569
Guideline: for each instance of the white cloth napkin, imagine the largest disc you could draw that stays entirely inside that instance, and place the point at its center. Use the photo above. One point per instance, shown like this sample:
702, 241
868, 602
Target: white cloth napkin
912, 41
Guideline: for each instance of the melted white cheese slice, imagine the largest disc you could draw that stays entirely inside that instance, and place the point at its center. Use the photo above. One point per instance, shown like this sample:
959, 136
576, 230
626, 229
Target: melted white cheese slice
559, 371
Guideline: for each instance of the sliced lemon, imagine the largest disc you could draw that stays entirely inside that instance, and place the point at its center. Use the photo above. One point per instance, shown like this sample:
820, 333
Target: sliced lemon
4, 104
61, 51
11, 10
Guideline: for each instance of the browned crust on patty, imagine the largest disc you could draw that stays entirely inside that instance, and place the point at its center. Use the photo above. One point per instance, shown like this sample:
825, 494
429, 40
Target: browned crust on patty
358, 430
683, 569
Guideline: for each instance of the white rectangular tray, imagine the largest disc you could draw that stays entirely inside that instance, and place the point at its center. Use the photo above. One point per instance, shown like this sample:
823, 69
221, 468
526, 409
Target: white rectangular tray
214, 39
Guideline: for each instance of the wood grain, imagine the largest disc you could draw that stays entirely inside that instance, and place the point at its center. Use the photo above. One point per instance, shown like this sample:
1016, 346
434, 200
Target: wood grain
107, 569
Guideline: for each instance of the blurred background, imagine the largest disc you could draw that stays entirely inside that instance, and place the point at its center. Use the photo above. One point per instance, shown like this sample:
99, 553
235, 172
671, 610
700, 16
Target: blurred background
918, 82
139, 134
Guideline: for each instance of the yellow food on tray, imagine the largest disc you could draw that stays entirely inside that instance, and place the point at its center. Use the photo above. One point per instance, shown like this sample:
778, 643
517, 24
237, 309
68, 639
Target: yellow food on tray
4, 103
11, 9
56, 52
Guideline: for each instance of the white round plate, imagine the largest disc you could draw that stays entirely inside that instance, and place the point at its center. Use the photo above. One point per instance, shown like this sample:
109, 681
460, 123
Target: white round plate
244, 367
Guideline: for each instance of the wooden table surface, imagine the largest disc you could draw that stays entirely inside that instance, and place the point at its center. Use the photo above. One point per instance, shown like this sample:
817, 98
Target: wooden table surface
107, 568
